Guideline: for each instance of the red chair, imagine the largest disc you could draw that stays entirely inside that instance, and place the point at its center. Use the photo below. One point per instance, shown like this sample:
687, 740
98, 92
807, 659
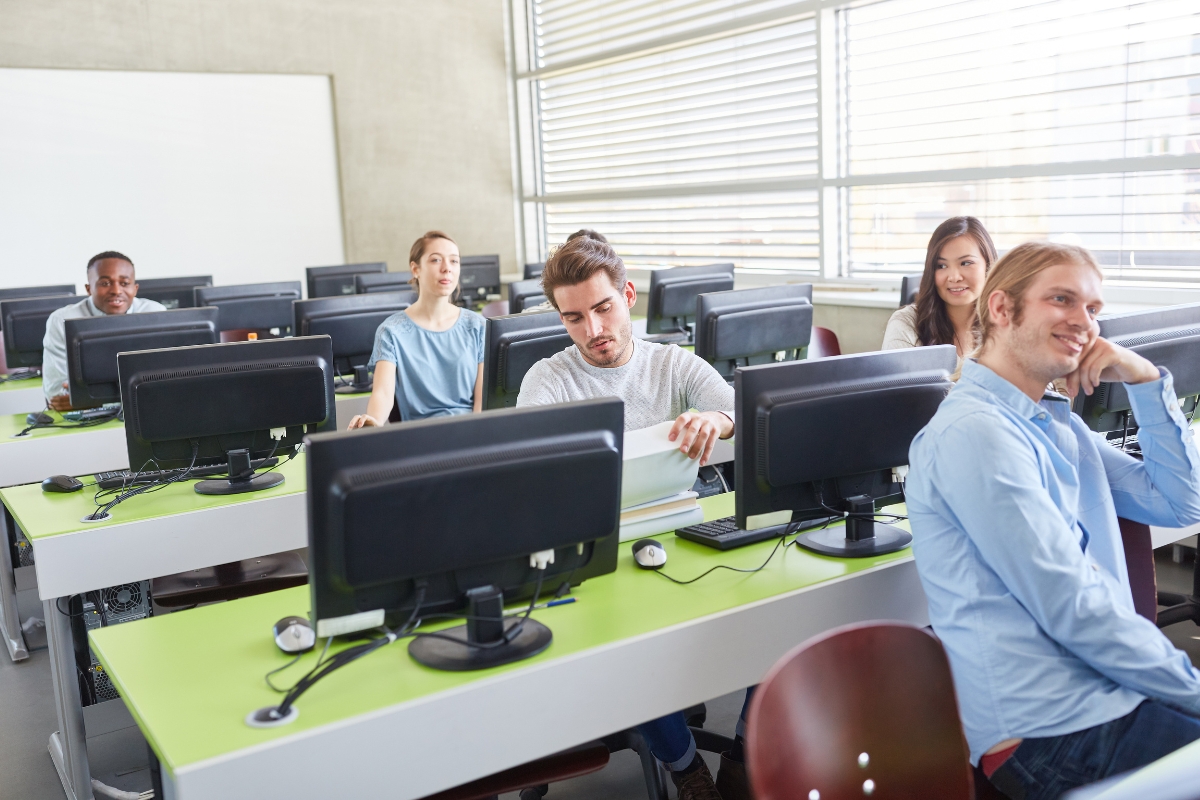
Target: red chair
863, 710
824, 343
496, 308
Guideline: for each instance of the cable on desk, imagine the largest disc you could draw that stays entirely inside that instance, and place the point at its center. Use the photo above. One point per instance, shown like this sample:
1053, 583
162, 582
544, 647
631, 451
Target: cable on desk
788, 532
44, 421
102, 511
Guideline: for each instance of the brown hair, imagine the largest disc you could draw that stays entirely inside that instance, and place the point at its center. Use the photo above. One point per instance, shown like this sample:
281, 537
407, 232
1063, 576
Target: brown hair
933, 323
579, 258
1017, 270
417, 252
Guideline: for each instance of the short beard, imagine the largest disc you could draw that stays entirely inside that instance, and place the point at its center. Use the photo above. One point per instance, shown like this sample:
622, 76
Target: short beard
623, 340
1021, 345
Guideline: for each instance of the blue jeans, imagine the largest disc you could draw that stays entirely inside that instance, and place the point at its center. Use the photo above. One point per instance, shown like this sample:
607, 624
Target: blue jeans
1045, 768
672, 743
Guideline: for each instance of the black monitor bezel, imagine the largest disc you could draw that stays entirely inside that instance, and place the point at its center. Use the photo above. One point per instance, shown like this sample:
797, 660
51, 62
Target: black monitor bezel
17, 359
311, 274
660, 278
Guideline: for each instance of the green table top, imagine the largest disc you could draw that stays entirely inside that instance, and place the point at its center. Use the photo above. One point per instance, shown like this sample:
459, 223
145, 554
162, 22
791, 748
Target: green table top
12, 424
190, 678
25, 383
41, 514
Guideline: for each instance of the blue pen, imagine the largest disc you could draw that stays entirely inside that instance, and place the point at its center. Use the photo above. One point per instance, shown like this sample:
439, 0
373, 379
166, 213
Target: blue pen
561, 602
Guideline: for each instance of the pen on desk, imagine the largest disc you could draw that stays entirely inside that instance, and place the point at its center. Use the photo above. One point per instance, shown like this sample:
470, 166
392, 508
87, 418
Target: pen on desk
561, 602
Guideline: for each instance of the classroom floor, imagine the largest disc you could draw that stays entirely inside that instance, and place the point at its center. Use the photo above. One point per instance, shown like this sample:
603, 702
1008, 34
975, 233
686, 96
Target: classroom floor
27, 712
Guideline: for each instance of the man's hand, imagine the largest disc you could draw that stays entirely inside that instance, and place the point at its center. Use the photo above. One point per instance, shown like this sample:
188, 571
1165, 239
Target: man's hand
363, 421
1103, 362
697, 432
61, 402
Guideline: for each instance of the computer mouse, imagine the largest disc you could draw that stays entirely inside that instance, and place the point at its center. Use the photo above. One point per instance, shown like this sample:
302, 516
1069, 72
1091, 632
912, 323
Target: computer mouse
649, 554
38, 418
294, 635
61, 483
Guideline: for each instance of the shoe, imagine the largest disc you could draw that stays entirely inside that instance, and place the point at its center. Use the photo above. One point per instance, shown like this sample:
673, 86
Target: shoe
695, 784
732, 782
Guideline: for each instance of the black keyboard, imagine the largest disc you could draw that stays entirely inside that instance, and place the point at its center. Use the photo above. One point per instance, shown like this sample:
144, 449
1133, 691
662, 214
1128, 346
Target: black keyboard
121, 477
724, 534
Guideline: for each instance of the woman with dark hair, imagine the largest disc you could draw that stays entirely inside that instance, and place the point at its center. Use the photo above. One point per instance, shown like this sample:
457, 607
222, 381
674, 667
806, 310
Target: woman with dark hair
959, 255
428, 358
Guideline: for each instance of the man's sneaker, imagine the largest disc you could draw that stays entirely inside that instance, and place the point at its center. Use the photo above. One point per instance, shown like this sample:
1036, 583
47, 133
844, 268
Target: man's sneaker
695, 784
732, 782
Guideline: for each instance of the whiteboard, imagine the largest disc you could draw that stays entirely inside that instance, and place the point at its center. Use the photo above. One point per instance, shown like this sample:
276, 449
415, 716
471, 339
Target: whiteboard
233, 176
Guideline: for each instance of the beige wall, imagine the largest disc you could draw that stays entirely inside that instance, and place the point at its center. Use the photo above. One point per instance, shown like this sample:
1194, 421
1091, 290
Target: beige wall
859, 329
419, 91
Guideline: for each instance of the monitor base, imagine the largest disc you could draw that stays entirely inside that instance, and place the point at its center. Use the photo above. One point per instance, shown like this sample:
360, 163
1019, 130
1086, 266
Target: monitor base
458, 656
222, 486
833, 542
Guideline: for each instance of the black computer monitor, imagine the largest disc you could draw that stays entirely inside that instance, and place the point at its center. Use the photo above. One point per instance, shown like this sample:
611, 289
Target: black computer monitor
671, 307
512, 345
910, 286
173, 292
93, 344
534, 270
228, 404
478, 280
262, 307
25, 292
351, 322
451, 510
828, 433
745, 327
338, 280
24, 324
373, 282
1167, 337
525, 294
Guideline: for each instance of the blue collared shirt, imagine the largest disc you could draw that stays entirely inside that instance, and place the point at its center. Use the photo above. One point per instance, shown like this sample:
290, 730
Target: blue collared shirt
1014, 507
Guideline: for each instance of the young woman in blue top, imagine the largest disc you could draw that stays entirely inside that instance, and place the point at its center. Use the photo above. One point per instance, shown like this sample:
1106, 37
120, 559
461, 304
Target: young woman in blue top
428, 359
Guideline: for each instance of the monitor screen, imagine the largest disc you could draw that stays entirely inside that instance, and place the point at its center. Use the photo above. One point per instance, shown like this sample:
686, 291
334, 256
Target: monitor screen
25, 292
671, 307
24, 324
746, 327
383, 282
205, 402
172, 292
252, 306
458, 503
94, 342
338, 280
512, 345
351, 323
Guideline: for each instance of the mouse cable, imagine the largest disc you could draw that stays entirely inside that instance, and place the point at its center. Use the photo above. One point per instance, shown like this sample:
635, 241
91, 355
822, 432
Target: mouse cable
349, 655
790, 530
298, 656
86, 423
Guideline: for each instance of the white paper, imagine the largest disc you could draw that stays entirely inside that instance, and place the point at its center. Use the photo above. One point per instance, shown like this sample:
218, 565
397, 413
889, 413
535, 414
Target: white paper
668, 524
654, 467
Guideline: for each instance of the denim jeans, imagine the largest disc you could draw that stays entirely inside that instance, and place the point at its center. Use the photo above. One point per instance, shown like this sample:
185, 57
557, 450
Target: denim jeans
671, 742
1042, 769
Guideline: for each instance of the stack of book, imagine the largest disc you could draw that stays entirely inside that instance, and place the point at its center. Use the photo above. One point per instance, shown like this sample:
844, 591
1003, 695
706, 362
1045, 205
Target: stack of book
660, 516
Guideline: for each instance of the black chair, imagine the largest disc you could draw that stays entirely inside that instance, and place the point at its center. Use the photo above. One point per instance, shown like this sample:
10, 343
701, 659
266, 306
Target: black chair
534, 270
910, 286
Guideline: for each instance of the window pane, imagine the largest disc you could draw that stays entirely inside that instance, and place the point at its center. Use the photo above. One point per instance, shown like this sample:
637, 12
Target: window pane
754, 231
1140, 225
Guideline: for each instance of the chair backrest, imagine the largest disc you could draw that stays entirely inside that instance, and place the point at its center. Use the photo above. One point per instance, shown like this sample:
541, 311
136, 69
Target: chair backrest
824, 342
910, 285
865, 709
1139, 560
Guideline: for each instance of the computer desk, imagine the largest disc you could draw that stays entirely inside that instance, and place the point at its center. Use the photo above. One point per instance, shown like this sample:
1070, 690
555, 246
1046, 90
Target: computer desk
350, 405
21, 397
160, 533
634, 647
31, 458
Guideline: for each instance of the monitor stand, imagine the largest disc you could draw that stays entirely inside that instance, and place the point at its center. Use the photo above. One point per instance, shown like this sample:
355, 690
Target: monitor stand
362, 382
485, 626
241, 477
862, 537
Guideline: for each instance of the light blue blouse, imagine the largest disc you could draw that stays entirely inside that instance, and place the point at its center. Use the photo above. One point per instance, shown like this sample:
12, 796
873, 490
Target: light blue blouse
435, 370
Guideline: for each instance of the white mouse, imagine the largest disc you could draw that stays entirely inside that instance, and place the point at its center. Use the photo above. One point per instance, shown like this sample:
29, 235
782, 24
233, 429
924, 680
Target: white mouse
649, 554
294, 635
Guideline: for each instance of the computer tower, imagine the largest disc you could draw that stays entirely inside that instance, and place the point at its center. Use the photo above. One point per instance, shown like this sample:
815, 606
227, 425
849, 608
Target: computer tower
110, 606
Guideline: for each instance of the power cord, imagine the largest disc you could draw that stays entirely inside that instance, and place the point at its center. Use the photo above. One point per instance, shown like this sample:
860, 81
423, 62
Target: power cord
791, 528
102, 511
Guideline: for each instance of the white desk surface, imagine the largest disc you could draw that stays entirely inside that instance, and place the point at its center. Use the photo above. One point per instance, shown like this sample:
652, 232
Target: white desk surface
40, 454
22, 400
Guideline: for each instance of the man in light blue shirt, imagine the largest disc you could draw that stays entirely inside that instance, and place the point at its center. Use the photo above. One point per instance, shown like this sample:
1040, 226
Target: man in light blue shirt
1014, 505
112, 289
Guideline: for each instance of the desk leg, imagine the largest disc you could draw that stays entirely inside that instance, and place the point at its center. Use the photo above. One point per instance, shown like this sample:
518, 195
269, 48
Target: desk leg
10, 621
68, 745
